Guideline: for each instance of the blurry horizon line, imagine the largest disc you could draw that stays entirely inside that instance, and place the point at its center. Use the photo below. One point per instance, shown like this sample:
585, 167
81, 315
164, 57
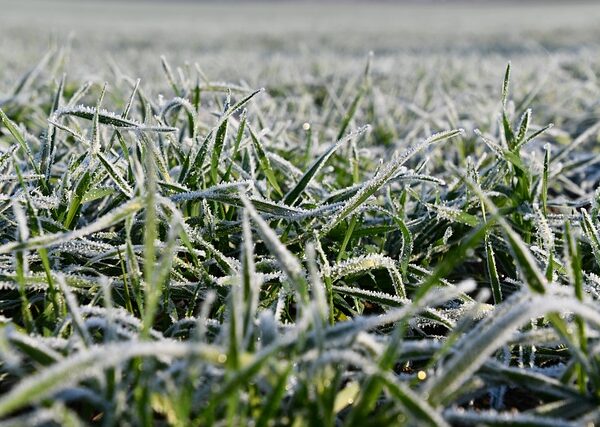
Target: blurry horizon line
388, 2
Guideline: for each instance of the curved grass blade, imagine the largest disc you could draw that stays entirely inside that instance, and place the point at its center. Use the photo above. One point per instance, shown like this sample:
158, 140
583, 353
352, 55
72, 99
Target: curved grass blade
47, 240
87, 363
383, 176
288, 262
295, 192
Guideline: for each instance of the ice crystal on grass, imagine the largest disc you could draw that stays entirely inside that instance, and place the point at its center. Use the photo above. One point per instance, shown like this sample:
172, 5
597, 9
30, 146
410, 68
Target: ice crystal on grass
213, 256
106, 117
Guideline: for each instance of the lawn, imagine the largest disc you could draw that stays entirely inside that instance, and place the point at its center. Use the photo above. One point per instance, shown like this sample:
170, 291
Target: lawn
299, 213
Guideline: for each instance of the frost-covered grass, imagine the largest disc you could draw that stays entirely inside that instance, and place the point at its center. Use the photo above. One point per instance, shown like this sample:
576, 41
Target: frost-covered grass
355, 244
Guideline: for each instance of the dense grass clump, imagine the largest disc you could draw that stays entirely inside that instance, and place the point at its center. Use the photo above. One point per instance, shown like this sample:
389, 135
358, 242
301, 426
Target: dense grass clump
320, 252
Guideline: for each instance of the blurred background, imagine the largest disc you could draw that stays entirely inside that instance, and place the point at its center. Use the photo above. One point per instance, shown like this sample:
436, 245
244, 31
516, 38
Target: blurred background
228, 37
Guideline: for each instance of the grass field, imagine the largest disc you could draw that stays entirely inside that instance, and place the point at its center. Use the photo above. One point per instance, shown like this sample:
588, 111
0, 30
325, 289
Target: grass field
302, 214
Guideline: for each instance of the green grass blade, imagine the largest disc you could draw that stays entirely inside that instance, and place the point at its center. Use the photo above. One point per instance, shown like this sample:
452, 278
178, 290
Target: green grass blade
294, 193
